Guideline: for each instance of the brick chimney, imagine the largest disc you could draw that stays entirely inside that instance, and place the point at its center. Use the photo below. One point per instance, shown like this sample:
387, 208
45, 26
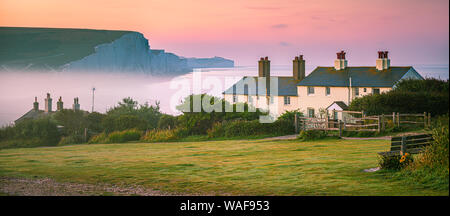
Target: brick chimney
35, 104
299, 68
76, 105
264, 71
383, 62
340, 63
48, 103
59, 104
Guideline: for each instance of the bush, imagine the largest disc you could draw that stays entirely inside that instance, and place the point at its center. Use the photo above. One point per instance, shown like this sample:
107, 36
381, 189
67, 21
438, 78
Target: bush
312, 135
240, 128
117, 136
430, 168
72, 139
100, 138
409, 96
124, 136
394, 162
158, 135
167, 122
30, 133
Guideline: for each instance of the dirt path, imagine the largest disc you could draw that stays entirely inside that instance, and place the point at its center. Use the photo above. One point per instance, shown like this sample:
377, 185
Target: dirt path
48, 187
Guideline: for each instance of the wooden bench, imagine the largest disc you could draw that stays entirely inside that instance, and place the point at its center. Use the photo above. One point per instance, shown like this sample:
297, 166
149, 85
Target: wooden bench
408, 144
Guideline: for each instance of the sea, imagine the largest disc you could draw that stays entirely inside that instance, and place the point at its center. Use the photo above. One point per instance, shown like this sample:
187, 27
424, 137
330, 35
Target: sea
18, 88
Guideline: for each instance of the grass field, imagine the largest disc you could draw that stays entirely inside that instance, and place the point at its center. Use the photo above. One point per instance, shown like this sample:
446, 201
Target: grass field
233, 167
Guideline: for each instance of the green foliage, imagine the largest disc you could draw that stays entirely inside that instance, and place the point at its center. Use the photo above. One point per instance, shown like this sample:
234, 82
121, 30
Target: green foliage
394, 162
430, 168
72, 139
290, 115
30, 133
117, 136
410, 96
128, 114
99, 138
124, 136
163, 135
167, 122
427, 85
199, 121
309, 135
242, 128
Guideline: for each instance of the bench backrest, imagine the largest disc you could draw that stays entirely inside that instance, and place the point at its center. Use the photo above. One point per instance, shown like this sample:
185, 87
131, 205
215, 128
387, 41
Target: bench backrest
413, 142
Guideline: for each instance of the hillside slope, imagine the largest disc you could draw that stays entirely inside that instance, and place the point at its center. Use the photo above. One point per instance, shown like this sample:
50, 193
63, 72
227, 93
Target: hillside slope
88, 50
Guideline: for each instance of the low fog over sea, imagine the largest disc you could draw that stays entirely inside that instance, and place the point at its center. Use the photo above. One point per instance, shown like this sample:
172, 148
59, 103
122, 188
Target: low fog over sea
19, 88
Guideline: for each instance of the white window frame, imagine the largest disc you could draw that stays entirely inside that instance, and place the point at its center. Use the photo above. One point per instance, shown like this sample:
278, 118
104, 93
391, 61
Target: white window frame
287, 100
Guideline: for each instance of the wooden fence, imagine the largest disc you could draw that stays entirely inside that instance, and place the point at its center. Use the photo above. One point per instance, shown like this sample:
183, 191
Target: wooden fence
352, 122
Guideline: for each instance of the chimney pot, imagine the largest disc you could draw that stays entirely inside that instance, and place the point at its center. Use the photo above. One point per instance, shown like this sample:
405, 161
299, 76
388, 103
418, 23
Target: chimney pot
267, 58
301, 57
296, 57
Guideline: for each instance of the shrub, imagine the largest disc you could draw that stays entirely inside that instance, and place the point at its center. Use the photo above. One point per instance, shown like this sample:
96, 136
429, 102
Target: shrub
117, 136
409, 96
30, 133
100, 138
430, 168
158, 135
306, 135
72, 139
124, 136
395, 162
167, 122
240, 128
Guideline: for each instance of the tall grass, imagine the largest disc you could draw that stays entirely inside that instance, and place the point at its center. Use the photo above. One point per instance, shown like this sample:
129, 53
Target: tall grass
163, 135
117, 136
431, 168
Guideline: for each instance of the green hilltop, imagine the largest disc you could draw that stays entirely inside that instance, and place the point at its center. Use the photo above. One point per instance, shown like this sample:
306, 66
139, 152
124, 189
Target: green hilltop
44, 48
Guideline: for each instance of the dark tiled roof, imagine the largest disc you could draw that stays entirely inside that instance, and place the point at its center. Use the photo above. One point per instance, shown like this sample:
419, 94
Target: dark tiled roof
32, 114
341, 104
361, 77
287, 86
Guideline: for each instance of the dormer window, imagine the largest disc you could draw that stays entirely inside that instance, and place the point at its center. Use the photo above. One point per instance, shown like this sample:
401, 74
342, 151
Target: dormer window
327, 91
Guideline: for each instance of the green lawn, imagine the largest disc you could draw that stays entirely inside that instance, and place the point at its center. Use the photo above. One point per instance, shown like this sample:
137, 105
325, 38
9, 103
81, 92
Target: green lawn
234, 167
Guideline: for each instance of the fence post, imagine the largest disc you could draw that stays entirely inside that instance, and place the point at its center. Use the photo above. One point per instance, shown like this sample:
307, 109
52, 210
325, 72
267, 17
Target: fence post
296, 123
424, 119
429, 119
326, 121
398, 119
85, 134
403, 146
340, 128
379, 123
393, 118
382, 122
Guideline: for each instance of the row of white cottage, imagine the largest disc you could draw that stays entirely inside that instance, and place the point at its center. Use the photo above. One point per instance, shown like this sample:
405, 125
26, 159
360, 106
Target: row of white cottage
325, 88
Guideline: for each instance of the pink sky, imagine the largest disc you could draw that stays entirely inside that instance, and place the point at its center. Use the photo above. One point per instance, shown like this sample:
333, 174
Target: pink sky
414, 31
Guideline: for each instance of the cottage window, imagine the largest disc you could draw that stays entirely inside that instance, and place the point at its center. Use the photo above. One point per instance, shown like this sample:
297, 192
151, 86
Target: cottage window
365, 89
287, 100
310, 90
376, 91
235, 98
327, 90
356, 91
250, 99
271, 99
311, 112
